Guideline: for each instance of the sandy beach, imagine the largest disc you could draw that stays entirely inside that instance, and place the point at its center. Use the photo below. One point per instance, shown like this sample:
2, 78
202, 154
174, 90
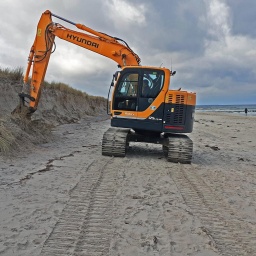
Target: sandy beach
64, 198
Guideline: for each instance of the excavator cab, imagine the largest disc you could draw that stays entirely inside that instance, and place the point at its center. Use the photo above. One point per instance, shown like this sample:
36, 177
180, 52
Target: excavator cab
137, 88
142, 101
139, 91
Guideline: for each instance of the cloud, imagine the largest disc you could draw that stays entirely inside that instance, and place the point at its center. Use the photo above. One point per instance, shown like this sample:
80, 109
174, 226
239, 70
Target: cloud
126, 14
225, 46
218, 18
227, 63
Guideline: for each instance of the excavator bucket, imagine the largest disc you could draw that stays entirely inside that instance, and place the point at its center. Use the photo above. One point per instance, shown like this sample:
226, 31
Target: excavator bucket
22, 110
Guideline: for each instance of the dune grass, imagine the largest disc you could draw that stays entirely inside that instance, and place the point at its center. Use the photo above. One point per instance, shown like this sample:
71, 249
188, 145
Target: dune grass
6, 139
16, 75
64, 88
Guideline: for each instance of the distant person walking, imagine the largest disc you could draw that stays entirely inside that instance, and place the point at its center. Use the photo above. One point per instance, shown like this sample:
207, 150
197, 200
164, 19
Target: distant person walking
245, 111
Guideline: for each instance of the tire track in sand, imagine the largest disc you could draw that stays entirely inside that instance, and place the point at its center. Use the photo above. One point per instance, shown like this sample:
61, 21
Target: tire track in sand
84, 227
232, 235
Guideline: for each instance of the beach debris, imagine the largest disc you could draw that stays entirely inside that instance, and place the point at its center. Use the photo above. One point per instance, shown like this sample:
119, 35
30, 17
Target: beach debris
243, 159
213, 147
155, 240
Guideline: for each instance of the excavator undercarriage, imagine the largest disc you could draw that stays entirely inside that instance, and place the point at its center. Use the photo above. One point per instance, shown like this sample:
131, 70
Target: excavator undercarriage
177, 148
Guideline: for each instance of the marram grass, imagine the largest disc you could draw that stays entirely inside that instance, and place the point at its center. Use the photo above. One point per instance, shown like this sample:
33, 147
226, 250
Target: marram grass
6, 139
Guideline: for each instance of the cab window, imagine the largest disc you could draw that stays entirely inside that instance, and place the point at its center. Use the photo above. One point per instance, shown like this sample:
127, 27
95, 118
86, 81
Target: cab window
126, 92
153, 82
128, 85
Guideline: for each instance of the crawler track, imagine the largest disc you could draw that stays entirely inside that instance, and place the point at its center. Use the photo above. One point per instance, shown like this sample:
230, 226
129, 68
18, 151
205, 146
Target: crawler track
84, 228
179, 150
114, 142
232, 236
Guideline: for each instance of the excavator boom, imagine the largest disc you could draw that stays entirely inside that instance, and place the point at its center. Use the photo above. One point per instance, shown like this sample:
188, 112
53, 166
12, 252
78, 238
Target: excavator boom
108, 46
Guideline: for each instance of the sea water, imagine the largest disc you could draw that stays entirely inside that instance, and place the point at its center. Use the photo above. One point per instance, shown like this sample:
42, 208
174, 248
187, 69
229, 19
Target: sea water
232, 109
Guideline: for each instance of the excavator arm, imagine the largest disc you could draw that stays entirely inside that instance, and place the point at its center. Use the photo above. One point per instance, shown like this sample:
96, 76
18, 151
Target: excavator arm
44, 44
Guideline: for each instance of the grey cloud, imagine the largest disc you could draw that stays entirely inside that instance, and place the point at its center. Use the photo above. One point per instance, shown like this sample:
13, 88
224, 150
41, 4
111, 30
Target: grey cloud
243, 16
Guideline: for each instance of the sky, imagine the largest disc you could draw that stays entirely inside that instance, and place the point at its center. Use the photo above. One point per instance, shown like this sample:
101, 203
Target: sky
210, 43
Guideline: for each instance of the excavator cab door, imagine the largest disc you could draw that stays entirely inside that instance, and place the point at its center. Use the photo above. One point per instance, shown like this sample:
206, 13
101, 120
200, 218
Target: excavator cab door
126, 93
136, 89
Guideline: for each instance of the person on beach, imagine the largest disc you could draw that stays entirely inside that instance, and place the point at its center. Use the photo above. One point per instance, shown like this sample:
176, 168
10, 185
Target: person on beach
246, 111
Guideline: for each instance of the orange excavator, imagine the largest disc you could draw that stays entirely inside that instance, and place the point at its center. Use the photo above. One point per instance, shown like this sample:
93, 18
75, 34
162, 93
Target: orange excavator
142, 107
